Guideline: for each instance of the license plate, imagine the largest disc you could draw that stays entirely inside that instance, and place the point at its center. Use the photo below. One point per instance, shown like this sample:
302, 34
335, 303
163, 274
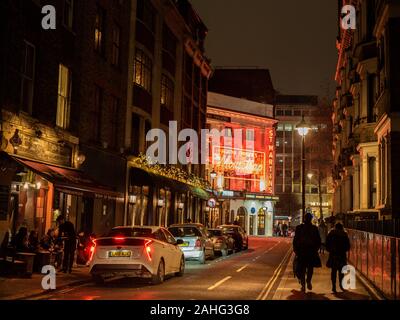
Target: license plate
119, 254
185, 244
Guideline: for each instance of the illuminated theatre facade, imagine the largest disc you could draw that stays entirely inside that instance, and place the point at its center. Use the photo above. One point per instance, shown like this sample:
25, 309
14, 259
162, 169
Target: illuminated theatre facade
241, 166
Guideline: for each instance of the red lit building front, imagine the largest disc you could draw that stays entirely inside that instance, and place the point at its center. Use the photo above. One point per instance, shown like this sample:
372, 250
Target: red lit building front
241, 162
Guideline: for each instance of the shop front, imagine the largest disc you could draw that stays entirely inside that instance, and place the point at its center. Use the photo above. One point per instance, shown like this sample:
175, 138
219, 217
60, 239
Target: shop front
155, 199
254, 215
36, 193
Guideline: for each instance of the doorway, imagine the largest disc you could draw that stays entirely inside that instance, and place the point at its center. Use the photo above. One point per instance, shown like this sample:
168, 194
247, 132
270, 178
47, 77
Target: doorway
251, 225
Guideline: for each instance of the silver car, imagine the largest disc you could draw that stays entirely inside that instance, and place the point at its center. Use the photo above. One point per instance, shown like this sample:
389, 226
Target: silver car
196, 243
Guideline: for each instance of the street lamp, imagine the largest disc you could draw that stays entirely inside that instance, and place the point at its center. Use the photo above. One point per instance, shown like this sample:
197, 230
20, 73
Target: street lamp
213, 176
303, 128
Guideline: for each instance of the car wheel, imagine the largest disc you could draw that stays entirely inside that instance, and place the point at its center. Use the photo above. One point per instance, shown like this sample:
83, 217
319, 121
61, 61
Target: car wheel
202, 258
98, 279
181, 268
159, 277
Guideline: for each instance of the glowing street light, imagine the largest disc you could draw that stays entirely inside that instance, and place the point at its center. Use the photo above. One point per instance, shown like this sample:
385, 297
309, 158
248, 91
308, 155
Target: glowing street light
303, 128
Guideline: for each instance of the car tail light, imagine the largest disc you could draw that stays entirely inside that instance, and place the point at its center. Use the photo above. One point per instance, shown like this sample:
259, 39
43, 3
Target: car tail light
198, 243
119, 239
147, 248
92, 249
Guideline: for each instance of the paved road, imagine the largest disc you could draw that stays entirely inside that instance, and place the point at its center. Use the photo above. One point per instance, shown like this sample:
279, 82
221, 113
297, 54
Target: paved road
248, 275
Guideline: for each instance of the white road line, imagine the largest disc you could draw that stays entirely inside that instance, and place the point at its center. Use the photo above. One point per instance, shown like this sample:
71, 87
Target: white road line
219, 283
242, 268
266, 251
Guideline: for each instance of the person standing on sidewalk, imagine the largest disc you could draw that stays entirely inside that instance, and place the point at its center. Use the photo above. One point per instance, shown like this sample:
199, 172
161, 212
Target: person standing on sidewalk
323, 231
306, 244
337, 244
67, 231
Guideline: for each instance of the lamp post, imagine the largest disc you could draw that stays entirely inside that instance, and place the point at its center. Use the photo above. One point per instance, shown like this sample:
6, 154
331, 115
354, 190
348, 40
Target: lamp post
303, 128
213, 176
310, 175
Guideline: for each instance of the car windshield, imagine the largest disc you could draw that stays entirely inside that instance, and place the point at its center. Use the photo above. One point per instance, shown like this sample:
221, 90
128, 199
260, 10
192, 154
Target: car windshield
215, 233
185, 232
130, 232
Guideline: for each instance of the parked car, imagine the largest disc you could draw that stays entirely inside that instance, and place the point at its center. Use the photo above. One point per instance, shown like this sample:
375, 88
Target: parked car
146, 252
238, 234
223, 243
196, 243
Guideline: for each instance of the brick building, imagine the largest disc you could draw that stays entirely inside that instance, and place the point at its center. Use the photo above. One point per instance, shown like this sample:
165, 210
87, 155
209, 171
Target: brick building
77, 102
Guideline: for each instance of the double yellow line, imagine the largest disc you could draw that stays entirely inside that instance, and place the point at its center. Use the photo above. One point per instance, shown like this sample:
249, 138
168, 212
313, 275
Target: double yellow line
268, 287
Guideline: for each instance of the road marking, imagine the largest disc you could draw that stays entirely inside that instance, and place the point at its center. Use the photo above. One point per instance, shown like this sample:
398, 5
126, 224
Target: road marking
219, 283
242, 268
266, 290
266, 251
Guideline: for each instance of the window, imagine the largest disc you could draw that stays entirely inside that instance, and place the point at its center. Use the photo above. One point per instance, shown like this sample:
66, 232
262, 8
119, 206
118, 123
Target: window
371, 97
97, 114
228, 132
69, 13
279, 112
169, 236
64, 97
250, 134
297, 113
288, 112
372, 182
99, 31
115, 45
146, 14
143, 70
159, 235
135, 134
288, 127
167, 92
114, 121
27, 75
169, 42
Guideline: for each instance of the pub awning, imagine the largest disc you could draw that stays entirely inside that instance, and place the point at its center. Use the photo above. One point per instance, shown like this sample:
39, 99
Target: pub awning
68, 179
142, 177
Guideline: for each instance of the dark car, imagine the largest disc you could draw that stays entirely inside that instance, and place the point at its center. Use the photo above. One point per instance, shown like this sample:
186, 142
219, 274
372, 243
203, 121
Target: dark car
238, 234
223, 243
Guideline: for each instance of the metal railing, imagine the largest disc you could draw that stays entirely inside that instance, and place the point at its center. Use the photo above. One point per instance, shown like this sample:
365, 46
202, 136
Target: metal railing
377, 257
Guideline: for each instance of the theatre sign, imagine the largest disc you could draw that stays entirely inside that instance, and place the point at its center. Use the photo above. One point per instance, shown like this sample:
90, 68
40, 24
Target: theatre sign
243, 161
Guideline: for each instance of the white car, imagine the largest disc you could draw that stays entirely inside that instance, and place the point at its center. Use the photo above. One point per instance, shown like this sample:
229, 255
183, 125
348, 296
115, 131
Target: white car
196, 244
146, 252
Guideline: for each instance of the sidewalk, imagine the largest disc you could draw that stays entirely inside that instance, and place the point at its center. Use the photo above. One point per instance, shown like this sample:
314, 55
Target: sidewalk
289, 287
22, 288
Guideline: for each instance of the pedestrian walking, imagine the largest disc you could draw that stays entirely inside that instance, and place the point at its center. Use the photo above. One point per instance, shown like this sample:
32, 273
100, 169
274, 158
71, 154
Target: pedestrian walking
306, 244
67, 232
337, 244
323, 231
284, 229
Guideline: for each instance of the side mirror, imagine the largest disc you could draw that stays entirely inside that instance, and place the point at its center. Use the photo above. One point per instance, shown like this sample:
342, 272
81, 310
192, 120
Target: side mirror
179, 241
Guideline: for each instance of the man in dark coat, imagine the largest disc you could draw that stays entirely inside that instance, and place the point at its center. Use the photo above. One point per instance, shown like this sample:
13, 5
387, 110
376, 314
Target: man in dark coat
306, 244
67, 231
337, 244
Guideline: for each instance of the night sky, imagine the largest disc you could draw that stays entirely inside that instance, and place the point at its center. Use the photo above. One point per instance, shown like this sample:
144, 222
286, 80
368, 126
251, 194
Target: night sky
295, 39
